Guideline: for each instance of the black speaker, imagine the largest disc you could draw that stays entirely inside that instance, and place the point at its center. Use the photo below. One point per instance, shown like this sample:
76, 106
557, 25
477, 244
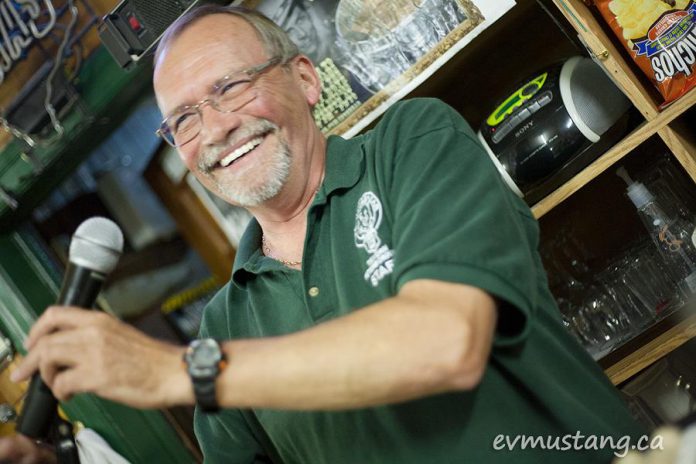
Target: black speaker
558, 120
133, 28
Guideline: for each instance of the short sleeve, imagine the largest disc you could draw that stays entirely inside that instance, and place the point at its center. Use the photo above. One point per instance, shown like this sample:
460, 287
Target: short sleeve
453, 217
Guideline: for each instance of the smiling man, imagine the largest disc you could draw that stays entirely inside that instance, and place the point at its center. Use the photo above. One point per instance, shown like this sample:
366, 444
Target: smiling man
387, 303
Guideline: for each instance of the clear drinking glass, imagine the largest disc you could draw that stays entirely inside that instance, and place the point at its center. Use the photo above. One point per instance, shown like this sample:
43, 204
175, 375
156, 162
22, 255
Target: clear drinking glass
599, 309
632, 308
648, 279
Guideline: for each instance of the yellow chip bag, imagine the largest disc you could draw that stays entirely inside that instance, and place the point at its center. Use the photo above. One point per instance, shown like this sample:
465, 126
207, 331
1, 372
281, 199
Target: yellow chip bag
660, 35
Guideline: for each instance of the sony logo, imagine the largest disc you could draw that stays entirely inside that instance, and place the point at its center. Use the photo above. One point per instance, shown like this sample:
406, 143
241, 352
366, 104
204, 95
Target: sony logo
524, 128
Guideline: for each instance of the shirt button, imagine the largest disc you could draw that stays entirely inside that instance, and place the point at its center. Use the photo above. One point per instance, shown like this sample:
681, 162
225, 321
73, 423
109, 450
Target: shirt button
314, 291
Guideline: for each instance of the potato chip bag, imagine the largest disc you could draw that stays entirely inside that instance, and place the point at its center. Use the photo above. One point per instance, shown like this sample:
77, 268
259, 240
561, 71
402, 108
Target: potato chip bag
660, 36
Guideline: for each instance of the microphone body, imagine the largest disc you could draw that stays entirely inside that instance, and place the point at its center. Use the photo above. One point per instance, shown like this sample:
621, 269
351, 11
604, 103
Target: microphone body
80, 288
94, 251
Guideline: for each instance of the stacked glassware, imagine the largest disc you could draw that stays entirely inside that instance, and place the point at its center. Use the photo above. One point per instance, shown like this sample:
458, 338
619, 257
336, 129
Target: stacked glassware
649, 280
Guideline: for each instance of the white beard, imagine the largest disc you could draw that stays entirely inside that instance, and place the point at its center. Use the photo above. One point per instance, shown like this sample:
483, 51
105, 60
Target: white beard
248, 191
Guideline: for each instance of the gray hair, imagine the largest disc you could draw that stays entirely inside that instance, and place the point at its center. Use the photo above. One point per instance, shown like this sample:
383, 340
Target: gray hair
274, 39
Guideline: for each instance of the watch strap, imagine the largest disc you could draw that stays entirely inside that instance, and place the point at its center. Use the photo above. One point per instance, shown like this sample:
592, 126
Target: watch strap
205, 392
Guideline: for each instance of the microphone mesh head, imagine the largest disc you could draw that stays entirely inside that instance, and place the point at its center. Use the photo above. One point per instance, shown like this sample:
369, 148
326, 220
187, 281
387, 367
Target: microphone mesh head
97, 245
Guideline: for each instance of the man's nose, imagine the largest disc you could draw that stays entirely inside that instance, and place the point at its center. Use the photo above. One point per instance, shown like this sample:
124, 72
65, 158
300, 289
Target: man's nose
216, 126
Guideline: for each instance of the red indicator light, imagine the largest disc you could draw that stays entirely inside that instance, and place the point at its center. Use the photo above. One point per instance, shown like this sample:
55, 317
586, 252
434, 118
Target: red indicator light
134, 23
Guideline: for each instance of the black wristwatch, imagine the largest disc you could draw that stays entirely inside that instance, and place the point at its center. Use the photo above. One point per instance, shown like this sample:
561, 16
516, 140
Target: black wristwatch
205, 360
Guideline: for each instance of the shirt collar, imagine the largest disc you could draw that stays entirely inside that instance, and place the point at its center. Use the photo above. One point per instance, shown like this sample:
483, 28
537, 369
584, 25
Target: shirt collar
344, 167
344, 163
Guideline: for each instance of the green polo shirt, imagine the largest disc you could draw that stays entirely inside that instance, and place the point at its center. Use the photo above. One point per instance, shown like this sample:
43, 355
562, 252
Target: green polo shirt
415, 198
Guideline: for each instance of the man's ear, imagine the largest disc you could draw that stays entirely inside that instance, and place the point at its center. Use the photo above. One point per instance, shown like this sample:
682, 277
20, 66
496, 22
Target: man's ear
308, 78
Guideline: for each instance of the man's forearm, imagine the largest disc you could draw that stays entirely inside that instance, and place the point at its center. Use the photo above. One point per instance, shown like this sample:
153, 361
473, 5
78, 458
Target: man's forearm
398, 349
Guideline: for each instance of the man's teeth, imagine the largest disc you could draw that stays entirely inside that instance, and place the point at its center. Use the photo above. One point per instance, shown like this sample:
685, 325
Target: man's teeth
241, 151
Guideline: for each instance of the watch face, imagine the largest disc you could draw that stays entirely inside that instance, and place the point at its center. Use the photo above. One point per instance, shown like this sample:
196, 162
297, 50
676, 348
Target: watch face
203, 357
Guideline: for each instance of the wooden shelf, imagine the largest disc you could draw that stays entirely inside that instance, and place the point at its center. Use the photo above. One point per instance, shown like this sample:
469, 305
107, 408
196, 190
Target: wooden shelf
650, 346
678, 135
678, 143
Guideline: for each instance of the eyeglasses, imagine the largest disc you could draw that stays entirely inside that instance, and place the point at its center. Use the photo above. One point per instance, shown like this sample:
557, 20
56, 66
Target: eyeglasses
229, 94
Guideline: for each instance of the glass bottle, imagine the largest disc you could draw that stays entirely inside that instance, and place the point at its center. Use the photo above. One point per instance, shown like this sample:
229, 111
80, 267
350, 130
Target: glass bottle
673, 236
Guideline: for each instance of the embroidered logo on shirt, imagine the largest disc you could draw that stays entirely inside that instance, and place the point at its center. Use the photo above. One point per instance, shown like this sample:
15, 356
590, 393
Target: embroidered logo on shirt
368, 217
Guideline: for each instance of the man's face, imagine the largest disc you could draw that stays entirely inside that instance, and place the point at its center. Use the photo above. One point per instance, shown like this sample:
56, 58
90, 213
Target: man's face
267, 138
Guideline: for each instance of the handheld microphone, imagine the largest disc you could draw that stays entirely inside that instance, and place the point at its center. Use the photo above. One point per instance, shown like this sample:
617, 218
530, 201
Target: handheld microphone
94, 251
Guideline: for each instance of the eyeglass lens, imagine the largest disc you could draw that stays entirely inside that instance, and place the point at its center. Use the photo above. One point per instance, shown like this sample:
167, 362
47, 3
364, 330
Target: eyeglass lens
230, 94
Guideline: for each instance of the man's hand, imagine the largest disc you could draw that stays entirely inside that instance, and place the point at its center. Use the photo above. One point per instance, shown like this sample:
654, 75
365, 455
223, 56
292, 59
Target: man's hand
90, 351
18, 449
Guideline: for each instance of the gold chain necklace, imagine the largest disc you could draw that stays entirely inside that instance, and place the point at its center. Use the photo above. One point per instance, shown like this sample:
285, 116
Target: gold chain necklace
267, 251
